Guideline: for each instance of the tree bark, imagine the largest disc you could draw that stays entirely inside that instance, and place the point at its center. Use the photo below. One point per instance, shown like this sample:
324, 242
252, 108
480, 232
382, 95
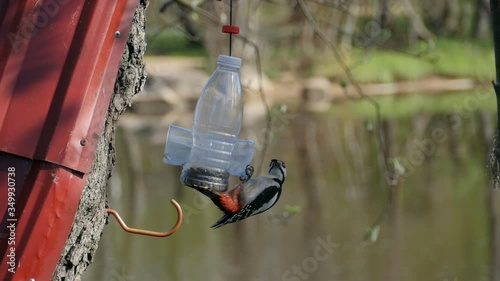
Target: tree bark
452, 18
481, 19
416, 22
350, 25
494, 155
90, 218
383, 13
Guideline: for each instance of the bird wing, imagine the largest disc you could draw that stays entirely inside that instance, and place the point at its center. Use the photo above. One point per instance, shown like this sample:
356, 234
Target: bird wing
255, 188
222, 221
262, 202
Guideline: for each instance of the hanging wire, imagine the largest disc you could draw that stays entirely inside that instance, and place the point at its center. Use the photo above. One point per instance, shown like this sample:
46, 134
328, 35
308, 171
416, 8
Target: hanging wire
230, 23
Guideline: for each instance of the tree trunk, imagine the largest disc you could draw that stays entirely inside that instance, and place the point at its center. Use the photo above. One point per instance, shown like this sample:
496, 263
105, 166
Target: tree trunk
350, 25
481, 19
383, 13
416, 22
494, 155
452, 18
90, 218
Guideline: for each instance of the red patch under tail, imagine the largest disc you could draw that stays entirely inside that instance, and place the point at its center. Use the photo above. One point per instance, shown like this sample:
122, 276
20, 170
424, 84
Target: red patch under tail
227, 204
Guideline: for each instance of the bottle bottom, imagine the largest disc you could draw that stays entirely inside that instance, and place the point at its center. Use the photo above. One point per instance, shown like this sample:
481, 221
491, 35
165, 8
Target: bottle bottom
214, 179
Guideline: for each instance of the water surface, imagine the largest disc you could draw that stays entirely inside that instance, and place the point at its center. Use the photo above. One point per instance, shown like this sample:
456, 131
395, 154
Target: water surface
437, 228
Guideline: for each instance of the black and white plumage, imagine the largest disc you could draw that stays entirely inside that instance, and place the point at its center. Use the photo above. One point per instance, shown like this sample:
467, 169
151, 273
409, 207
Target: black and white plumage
251, 197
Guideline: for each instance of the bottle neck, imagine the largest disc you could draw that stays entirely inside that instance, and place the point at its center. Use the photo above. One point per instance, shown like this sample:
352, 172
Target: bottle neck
225, 67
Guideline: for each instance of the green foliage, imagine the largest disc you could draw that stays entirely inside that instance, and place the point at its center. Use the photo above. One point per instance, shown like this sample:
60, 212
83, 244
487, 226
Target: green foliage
372, 234
462, 103
448, 57
386, 66
174, 43
386, 53
464, 59
396, 166
292, 209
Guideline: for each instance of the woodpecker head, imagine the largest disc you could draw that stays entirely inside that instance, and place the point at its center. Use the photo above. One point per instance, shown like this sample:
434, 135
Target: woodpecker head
277, 168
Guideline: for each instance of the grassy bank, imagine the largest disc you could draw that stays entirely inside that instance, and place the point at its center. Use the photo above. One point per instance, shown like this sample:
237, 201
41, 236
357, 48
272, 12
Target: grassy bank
464, 104
448, 57
173, 43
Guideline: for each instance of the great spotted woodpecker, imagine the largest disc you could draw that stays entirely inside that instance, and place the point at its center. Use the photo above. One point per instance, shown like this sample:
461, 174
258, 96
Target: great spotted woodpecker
251, 197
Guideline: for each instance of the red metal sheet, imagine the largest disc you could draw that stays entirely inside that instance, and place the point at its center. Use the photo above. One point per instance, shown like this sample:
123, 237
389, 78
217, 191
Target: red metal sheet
58, 64
43, 210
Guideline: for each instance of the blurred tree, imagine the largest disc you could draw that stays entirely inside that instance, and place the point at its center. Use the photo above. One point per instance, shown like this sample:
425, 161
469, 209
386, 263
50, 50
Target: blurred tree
451, 16
184, 14
383, 13
494, 155
353, 9
417, 25
481, 22
303, 37
280, 25
85, 234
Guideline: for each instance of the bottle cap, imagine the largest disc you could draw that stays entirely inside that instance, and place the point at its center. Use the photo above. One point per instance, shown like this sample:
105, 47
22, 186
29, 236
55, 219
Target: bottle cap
229, 61
231, 29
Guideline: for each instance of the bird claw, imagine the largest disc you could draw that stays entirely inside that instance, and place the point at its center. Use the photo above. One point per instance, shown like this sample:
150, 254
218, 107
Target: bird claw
248, 173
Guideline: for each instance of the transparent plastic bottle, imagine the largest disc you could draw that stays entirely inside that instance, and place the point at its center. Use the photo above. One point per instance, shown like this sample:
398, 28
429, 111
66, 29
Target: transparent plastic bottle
216, 126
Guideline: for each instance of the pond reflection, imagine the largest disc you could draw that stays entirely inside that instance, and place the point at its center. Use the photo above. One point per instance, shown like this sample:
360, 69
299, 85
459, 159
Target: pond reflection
437, 229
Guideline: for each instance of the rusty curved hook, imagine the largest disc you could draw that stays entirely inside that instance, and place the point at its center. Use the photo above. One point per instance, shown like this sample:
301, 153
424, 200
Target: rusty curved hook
149, 232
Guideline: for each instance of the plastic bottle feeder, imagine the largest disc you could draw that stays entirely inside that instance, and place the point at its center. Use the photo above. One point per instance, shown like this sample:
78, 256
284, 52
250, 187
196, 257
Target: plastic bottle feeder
211, 150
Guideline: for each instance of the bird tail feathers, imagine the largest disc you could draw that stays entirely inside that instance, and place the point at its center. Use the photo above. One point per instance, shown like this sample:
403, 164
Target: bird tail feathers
222, 221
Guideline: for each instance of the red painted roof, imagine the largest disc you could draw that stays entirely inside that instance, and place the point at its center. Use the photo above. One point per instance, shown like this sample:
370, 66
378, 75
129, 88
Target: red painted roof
58, 65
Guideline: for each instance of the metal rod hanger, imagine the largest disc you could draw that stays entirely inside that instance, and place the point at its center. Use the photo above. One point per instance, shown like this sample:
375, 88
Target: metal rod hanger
149, 232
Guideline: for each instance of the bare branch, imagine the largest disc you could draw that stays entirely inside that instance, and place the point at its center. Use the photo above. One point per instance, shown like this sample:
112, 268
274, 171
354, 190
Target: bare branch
390, 180
262, 94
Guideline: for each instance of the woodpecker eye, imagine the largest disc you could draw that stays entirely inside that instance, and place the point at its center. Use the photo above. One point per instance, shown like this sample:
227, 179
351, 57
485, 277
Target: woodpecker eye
283, 164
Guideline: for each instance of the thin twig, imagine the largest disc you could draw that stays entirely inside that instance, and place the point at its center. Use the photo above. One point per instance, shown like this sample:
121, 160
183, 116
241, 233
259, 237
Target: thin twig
199, 11
391, 182
258, 63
